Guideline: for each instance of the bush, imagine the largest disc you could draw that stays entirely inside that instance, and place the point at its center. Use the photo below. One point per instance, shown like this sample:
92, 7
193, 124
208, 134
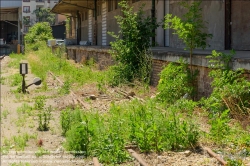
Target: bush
174, 83
230, 88
39, 32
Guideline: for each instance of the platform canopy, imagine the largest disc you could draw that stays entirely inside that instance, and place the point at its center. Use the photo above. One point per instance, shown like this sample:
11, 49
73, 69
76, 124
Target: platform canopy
71, 6
8, 10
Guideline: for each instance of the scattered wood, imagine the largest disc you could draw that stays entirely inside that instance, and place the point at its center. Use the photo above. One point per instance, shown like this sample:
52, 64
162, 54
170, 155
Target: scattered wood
124, 94
96, 162
74, 96
211, 153
56, 78
137, 157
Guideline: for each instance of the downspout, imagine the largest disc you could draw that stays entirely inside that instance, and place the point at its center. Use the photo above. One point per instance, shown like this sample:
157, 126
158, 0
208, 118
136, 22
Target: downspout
95, 24
164, 31
153, 21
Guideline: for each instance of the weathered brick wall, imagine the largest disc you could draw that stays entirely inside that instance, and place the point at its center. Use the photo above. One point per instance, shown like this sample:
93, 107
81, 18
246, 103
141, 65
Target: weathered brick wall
203, 80
103, 59
157, 67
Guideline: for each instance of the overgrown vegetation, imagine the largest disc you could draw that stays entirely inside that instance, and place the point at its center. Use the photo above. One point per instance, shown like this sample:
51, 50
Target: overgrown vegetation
130, 48
136, 123
151, 125
38, 34
230, 88
175, 83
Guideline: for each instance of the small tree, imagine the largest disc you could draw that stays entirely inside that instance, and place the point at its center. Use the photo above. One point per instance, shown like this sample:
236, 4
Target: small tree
44, 15
131, 45
191, 28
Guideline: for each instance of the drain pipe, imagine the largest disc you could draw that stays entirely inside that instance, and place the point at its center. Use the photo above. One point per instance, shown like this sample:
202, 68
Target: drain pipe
164, 31
95, 24
153, 21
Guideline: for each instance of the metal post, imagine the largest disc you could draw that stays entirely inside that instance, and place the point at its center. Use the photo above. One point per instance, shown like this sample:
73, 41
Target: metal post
95, 24
23, 84
153, 21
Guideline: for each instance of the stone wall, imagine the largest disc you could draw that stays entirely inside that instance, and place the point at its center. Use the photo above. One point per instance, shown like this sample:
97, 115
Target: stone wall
82, 54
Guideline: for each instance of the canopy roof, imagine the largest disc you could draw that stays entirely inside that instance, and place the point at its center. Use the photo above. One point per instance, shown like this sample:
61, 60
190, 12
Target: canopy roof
71, 6
8, 10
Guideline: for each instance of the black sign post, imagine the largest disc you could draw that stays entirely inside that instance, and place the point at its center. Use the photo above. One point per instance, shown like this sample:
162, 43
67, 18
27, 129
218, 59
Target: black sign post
23, 71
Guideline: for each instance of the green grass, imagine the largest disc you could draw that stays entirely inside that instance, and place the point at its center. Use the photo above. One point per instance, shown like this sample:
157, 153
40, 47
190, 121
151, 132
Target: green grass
2, 80
18, 142
15, 79
15, 60
5, 113
41, 151
25, 109
43, 60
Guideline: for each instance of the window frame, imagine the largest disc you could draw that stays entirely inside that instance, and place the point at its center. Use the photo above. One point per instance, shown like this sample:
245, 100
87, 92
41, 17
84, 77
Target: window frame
25, 11
26, 28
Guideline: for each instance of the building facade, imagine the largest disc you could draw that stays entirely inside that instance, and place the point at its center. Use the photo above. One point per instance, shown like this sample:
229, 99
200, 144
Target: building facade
10, 21
227, 21
28, 8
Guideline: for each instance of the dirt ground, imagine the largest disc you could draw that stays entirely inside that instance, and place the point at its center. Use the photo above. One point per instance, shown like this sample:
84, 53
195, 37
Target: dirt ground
52, 139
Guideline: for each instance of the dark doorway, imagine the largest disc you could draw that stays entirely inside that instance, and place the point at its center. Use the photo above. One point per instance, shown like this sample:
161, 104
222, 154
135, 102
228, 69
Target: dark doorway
59, 31
227, 24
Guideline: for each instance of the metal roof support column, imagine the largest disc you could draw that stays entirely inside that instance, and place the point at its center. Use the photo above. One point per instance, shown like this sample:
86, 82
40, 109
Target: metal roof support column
79, 29
18, 29
153, 21
95, 25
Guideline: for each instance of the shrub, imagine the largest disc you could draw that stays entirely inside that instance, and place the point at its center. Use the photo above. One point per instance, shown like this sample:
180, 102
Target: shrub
174, 83
230, 88
39, 32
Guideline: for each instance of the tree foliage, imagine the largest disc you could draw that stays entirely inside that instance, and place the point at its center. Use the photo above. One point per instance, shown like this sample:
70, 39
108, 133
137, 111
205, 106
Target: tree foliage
131, 44
44, 15
26, 21
39, 32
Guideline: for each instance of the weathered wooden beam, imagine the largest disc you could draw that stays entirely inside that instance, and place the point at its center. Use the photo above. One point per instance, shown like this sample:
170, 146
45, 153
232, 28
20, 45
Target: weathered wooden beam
137, 157
96, 162
211, 153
